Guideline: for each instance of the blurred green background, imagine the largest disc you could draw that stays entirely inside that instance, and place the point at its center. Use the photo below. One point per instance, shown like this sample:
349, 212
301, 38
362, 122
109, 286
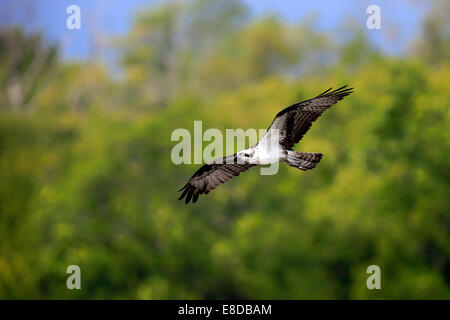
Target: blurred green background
86, 176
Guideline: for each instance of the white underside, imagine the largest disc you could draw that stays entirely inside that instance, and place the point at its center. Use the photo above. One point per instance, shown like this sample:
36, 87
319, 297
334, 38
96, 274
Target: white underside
267, 151
264, 155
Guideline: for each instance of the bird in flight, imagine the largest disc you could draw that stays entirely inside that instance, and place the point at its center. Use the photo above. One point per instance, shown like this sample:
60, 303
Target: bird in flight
286, 130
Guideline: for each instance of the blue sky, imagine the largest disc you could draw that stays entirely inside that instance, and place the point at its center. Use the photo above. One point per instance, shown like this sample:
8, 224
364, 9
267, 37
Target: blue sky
400, 19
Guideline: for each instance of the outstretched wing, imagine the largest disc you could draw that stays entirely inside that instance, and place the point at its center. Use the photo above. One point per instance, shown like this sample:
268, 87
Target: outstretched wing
211, 175
294, 121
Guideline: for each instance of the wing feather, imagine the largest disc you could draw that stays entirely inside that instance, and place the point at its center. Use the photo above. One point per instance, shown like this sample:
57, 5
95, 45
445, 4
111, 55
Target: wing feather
212, 175
294, 121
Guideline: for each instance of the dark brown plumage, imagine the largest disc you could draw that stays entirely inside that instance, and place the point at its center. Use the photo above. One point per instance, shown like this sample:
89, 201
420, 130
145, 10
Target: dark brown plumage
294, 121
211, 175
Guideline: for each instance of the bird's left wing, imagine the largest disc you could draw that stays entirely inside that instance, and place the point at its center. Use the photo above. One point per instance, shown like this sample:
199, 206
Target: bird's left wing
211, 175
294, 121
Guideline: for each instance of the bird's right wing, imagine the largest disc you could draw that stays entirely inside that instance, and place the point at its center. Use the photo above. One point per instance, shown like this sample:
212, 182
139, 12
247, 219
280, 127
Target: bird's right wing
294, 121
211, 175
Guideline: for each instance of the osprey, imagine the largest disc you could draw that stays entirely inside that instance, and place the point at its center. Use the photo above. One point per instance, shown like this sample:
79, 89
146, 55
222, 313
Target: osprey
286, 130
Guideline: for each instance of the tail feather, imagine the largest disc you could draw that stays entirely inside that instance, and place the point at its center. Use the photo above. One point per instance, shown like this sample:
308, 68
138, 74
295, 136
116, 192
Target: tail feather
303, 160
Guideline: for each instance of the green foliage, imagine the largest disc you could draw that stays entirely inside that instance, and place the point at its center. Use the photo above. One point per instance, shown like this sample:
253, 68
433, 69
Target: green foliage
87, 179
24, 65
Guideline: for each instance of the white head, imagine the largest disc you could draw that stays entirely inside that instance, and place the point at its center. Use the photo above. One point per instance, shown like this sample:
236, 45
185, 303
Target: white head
248, 155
